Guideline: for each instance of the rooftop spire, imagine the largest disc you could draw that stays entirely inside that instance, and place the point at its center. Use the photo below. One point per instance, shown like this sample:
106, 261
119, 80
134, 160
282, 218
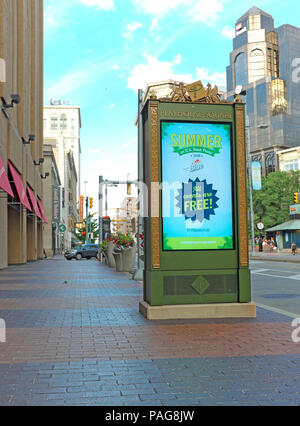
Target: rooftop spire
255, 11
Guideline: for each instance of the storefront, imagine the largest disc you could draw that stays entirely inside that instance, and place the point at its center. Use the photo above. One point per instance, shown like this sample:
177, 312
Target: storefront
287, 233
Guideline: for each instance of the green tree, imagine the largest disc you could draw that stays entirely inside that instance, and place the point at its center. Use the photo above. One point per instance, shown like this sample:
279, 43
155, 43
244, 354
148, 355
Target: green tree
272, 203
93, 228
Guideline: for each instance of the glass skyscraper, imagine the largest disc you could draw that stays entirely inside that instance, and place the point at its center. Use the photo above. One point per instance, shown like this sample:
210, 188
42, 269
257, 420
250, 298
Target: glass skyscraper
264, 62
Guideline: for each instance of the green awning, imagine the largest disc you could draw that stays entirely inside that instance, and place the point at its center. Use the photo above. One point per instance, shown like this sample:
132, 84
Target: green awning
291, 225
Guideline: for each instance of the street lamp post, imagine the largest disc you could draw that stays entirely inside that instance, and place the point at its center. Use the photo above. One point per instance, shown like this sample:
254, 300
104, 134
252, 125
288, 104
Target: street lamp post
138, 275
249, 167
107, 183
100, 196
87, 207
241, 91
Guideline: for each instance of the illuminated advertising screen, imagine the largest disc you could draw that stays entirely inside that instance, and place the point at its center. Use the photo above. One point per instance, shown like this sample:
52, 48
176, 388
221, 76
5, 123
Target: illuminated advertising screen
197, 199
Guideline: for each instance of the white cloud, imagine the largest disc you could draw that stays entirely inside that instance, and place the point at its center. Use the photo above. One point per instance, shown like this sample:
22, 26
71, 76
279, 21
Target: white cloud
55, 12
55, 15
206, 11
177, 60
154, 24
111, 106
207, 76
155, 70
76, 80
68, 83
99, 4
228, 32
130, 29
159, 7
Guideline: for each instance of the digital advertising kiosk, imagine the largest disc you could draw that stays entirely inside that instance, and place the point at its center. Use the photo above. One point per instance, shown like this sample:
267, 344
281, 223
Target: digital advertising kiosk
196, 231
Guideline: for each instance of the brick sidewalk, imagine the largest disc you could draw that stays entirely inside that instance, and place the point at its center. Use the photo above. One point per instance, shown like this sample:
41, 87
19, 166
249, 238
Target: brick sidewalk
75, 337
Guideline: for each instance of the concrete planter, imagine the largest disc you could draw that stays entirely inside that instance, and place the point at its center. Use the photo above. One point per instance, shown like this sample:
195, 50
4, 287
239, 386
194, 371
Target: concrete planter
125, 259
118, 261
109, 255
129, 259
104, 257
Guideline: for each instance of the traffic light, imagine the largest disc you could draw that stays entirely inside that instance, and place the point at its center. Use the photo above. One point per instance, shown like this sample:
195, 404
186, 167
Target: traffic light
83, 233
91, 202
296, 197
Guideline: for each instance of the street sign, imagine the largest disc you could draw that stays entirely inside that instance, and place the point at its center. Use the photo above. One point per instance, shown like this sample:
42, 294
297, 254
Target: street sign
62, 228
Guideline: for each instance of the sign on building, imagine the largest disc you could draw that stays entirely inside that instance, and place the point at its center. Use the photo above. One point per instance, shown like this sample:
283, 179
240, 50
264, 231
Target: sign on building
56, 212
81, 208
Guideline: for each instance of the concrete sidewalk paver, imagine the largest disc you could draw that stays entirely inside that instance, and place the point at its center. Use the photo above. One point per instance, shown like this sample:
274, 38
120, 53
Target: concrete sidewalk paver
75, 337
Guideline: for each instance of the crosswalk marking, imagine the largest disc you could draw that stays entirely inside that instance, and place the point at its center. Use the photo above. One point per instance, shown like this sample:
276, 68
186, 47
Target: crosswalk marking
295, 277
263, 273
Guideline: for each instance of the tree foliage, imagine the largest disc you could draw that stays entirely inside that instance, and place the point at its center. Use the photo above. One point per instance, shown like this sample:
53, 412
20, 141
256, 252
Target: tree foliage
272, 203
93, 228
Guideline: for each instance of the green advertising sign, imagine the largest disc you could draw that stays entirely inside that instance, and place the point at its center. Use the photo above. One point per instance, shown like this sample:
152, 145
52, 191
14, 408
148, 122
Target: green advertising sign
195, 230
197, 174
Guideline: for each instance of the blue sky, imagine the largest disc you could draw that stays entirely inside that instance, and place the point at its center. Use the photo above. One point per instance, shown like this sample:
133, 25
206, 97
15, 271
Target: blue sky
99, 52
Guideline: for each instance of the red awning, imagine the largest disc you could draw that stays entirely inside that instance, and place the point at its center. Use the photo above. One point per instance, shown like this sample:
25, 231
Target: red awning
19, 187
42, 210
4, 182
33, 202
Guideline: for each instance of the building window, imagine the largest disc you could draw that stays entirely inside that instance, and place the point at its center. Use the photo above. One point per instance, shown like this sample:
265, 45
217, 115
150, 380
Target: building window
257, 158
256, 65
63, 122
278, 94
270, 162
241, 74
276, 63
273, 62
269, 62
54, 123
254, 22
272, 37
291, 165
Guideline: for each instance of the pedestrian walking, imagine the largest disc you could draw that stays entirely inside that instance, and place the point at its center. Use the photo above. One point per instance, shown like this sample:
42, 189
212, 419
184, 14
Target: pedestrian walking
294, 248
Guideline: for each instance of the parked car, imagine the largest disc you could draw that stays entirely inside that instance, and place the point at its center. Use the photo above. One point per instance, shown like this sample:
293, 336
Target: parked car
70, 254
86, 251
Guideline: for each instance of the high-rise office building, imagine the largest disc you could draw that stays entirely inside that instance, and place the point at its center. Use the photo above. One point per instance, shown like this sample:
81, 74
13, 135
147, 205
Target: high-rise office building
62, 124
21, 132
261, 62
289, 42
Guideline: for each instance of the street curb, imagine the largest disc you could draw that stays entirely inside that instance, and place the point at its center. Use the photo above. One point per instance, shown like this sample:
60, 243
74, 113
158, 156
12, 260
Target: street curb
272, 259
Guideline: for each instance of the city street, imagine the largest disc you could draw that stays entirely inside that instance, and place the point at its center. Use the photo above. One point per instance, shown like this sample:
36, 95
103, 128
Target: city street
75, 337
277, 285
